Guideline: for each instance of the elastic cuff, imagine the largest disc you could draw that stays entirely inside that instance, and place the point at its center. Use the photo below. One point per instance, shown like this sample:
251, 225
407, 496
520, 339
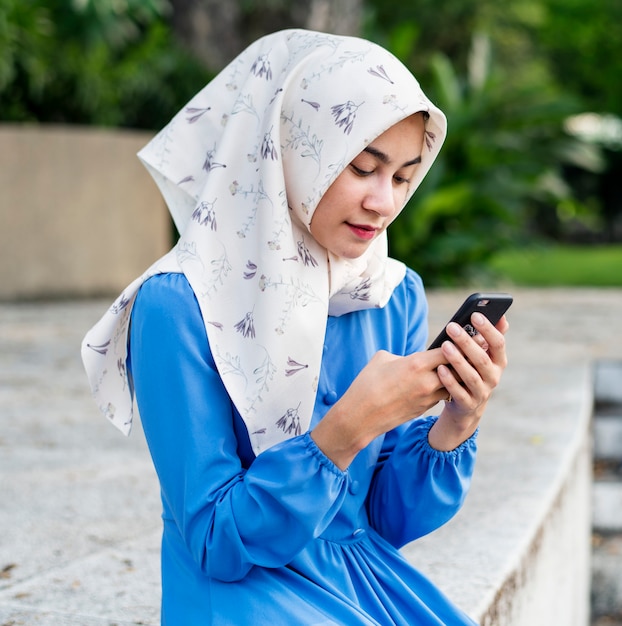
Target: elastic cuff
424, 425
321, 457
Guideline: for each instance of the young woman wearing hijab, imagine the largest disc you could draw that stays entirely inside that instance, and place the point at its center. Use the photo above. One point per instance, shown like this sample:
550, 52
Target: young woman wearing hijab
277, 354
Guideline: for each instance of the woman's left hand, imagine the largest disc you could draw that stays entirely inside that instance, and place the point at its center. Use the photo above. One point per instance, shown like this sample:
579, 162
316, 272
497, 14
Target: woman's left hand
476, 368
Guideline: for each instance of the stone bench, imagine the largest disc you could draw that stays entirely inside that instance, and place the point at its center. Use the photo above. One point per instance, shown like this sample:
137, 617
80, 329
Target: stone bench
518, 554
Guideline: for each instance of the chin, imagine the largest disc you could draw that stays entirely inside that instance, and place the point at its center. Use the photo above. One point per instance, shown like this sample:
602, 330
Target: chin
352, 254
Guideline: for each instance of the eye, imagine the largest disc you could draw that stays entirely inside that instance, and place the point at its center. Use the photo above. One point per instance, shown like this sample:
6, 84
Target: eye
360, 172
401, 180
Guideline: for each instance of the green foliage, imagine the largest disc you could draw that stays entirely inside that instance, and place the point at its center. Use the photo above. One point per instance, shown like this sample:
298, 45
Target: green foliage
507, 74
101, 62
583, 42
415, 30
509, 170
560, 266
24, 36
502, 158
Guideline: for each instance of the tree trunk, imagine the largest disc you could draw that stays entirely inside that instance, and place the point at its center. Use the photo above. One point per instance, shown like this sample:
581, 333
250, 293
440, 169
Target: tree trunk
341, 18
215, 31
208, 29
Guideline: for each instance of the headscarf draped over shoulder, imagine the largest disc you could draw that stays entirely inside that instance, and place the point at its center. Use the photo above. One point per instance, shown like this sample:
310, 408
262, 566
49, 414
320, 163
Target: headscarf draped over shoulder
242, 168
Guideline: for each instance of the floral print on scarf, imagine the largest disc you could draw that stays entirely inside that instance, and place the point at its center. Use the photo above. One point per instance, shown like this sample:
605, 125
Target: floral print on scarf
242, 167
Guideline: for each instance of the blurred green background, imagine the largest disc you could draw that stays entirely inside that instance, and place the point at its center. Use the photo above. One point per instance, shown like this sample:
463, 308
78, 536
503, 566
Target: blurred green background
527, 189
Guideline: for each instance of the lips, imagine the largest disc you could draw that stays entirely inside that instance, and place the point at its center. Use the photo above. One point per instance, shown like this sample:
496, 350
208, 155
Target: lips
362, 231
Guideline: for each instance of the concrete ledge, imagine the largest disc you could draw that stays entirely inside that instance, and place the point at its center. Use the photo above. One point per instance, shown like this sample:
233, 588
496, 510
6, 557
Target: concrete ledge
519, 552
79, 214
80, 537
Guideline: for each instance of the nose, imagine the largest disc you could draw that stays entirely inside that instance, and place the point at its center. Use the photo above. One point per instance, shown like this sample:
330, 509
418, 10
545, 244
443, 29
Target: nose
380, 198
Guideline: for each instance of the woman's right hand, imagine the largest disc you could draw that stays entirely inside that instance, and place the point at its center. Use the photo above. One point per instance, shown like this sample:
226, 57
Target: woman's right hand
389, 391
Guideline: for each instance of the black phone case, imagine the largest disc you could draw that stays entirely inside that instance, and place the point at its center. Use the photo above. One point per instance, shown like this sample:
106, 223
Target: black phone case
492, 305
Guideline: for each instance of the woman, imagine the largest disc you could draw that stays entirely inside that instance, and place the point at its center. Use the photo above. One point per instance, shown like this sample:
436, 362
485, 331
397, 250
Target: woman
278, 355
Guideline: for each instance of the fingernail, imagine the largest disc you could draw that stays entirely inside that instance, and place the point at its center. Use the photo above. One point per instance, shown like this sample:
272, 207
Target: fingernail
453, 329
449, 347
477, 319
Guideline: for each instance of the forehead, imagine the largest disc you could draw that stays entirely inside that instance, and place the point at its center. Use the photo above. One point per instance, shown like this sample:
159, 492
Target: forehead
403, 141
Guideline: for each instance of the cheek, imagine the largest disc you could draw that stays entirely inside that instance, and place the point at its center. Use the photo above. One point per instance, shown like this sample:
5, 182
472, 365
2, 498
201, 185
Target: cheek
399, 199
324, 215
318, 226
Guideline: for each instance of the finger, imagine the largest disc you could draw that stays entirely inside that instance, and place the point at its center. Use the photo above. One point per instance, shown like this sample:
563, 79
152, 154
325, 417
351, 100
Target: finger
459, 357
472, 365
480, 340
432, 358
494, 338
467, 343
455, 392
442, 395
503, 325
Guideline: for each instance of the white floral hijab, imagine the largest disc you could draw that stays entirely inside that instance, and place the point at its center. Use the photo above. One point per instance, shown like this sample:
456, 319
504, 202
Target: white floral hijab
242, 168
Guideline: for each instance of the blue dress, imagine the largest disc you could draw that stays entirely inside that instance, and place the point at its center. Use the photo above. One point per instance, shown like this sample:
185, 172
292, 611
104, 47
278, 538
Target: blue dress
287, 537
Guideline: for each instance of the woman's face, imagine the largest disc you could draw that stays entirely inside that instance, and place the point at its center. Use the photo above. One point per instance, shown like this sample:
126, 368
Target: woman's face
367, 196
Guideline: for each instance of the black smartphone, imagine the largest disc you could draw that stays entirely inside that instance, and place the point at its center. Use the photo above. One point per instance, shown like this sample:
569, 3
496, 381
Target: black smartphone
492, 305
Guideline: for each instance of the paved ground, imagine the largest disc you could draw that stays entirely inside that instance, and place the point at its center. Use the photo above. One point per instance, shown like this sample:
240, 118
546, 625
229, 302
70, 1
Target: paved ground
80, 515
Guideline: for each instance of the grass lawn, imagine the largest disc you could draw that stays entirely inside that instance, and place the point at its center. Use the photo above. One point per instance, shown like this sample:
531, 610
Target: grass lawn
562, 266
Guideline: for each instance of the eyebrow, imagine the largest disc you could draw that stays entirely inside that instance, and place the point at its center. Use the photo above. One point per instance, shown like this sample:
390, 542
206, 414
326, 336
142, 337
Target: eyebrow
384, 158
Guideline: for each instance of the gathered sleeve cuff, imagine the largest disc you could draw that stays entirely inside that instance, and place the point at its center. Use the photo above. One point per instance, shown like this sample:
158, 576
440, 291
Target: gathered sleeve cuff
286, 498
416, 488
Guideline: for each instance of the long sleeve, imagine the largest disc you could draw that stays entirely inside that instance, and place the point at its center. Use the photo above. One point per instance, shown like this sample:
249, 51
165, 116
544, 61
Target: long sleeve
230, 518
416, 489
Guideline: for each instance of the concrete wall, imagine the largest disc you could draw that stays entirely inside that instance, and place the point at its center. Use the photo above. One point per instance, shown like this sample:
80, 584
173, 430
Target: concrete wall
79, 215
550, 580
